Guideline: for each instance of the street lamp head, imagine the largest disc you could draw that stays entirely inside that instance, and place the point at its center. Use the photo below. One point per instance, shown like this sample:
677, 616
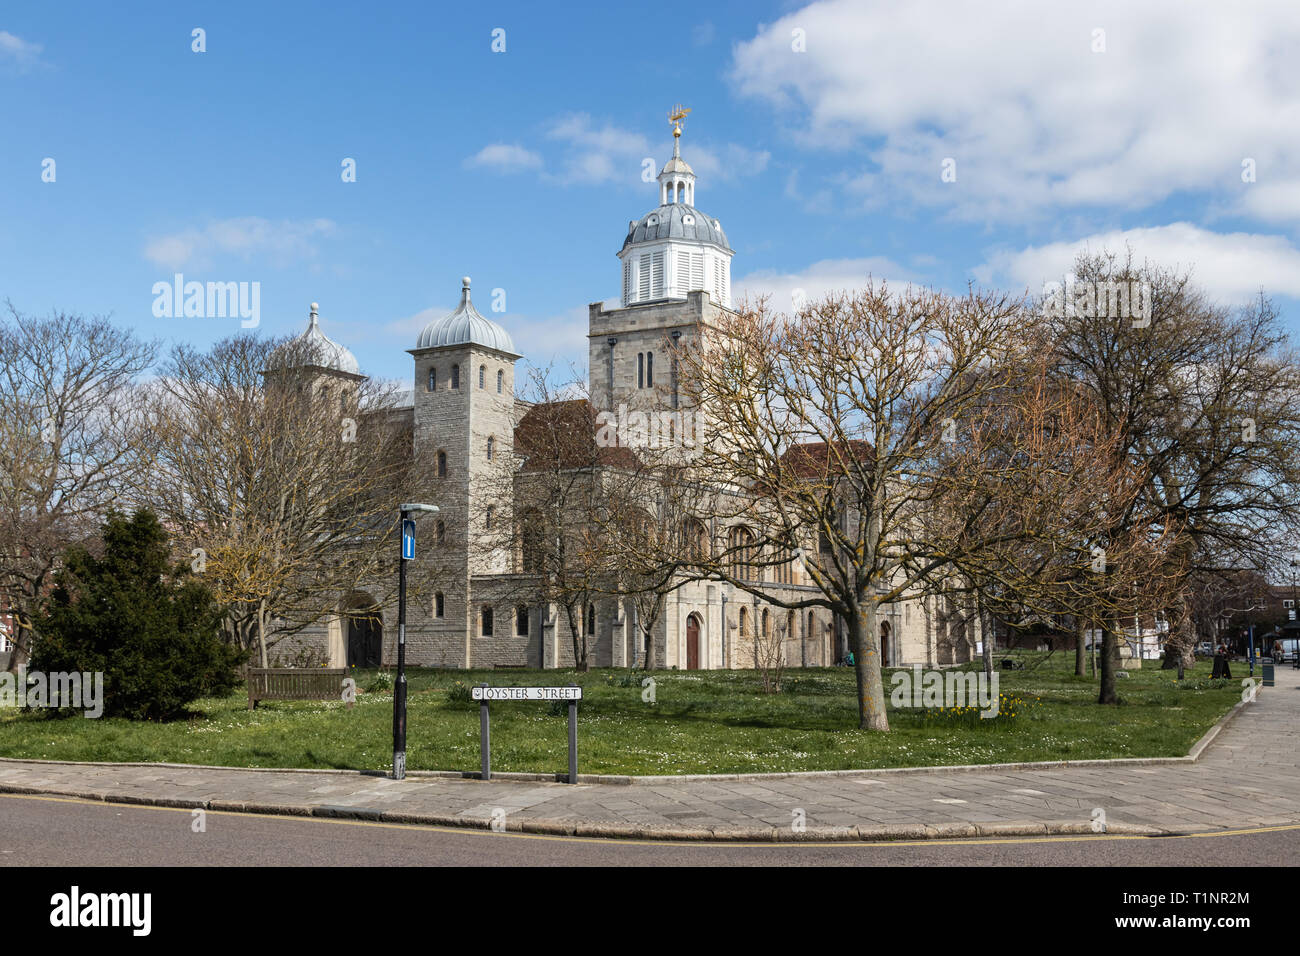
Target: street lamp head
417, 508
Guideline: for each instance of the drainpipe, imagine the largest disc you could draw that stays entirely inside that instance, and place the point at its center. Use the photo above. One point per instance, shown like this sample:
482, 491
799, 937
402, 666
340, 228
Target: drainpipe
677, 334
724, 630
611, 342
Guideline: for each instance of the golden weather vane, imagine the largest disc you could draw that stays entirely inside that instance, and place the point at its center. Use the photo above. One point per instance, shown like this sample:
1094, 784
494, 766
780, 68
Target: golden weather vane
675, 116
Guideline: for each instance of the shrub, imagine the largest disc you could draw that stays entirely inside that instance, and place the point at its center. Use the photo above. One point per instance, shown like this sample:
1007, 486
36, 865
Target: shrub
151, 628
459, 693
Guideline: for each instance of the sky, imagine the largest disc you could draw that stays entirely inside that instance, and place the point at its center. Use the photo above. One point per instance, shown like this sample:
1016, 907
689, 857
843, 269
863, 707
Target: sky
935, 143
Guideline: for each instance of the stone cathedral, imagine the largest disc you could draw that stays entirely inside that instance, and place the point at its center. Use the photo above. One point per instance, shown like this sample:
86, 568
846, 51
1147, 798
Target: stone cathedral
675, 277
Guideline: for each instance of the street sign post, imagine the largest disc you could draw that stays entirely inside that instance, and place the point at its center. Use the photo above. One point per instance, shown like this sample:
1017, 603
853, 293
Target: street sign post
484, 694
399, 687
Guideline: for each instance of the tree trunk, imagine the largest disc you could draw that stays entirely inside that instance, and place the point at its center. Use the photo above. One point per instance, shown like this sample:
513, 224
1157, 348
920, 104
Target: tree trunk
22, 649
866, 652
986, 640
261, 634
1181, 646
647, 626
1081, 648
1109, 662
579, 641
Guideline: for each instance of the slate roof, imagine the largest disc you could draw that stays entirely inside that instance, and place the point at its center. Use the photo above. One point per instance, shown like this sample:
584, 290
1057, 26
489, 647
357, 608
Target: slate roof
669, 222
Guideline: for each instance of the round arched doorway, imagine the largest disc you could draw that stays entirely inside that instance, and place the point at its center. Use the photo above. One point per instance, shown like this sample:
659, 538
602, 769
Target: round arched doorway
365, 632
693, 643
885, 660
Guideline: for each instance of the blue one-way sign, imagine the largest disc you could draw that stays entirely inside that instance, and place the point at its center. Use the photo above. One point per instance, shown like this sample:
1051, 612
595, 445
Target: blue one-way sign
408, 539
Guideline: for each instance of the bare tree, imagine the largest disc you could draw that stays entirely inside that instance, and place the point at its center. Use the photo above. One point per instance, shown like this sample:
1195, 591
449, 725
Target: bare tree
1207, 401
70, 429
826, 434
283, 482
552, 486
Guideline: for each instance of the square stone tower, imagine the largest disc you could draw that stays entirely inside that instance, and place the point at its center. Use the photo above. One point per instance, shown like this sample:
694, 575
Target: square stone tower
464, 413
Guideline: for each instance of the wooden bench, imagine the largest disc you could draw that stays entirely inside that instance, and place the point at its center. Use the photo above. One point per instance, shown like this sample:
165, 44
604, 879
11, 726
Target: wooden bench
295, 683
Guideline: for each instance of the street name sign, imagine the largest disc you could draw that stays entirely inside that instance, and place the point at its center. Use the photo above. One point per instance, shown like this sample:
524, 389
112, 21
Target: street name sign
526, 693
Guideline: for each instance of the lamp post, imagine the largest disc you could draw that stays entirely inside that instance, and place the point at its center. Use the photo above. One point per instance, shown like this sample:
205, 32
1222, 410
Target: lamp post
1296, 662
399, 688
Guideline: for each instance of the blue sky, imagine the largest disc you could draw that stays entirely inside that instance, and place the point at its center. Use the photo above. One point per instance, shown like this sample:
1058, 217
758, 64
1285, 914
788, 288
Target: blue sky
818, 132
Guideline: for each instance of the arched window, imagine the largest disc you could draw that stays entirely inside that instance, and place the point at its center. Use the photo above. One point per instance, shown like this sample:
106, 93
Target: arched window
784, 572
521, 620
649, 370
439, 605
491, 446
491, 513
533, 556
741, 545
440, 535
640, 370
442, 464
482, 376
501, 379
433, 379
455, 376
589, 623
744, 623
485, 618
695, 539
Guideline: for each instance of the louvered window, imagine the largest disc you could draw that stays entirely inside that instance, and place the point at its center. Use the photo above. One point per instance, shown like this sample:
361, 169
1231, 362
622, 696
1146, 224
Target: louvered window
643, 278
627, 279
697, 270
657, 275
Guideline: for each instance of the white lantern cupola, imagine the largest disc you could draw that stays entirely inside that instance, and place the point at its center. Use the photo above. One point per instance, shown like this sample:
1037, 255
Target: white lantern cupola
675, 249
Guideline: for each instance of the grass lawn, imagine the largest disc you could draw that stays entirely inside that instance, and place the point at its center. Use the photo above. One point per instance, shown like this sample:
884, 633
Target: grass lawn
701, 722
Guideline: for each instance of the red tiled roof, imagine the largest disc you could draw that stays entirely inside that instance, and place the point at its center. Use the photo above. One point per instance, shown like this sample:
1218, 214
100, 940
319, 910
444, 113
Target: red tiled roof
564, 434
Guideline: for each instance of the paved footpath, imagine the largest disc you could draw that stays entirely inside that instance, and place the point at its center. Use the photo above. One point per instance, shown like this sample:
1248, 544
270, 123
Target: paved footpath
1248, 775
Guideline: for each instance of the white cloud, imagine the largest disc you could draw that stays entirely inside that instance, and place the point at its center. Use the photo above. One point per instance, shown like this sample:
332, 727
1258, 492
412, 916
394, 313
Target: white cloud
280, 243
726, 163
818, 279
18, 50
505, 158
599, 153
1036, 120
408, 329
1231, 267
594, 152
559, 339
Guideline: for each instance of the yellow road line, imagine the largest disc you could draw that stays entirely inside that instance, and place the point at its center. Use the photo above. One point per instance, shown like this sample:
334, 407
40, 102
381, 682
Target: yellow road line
478, 831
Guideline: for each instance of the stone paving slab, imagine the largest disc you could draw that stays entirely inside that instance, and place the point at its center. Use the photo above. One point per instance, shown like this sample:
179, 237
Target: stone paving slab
1248, 774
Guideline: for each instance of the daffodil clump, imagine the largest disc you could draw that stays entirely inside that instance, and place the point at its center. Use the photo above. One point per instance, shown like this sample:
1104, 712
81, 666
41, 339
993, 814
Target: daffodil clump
1010, 708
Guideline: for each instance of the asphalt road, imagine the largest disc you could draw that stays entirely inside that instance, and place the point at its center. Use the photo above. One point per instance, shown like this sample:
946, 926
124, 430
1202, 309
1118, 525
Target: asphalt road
60, 831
